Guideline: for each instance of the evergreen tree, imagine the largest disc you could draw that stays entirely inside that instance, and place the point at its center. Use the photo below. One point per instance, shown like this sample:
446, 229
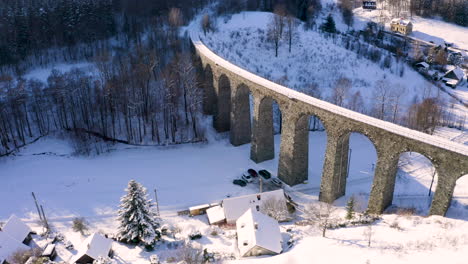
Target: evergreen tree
350, 208
138, 221
329, 25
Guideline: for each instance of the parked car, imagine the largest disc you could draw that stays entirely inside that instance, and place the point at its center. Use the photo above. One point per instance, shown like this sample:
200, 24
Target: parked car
277, 182
252, 172
246, 177
239, 182
265, 174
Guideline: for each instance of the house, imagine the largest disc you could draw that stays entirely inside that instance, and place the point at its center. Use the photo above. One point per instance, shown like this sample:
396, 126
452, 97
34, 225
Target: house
369, 5
401, 25
216, 215
236, 206
453, 77
258, 234
8, 246
422, 66
18, 230
93, 247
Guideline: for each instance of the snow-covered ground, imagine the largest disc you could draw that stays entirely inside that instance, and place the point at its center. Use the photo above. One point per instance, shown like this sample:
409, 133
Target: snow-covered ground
69, 186
43, 73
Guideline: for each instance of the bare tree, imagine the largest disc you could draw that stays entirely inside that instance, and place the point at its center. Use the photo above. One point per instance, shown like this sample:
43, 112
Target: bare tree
291, 30
341, 90
190, 254
79, 225
368, 232
356, 103
381, 97
321, 214
275, 31
206, 24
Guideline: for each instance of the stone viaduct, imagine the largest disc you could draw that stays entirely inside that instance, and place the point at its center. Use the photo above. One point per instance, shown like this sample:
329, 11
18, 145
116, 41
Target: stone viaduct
227, 99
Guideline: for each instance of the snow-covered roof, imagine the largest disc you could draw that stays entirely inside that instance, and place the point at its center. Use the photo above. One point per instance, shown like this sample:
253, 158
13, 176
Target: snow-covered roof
236, 206
401, 21
458, 73
198, 207
16, 229
388, 126
256, 229
424, 64
9, 245
215, 214
94, 246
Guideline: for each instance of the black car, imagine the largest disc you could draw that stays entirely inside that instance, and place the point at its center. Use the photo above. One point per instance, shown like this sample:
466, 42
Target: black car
252, 172
241, 183
265, 174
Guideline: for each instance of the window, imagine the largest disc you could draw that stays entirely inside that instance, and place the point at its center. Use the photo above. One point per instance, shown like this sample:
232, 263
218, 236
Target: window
257, 207
242, 225
246, 243
258, 197
256, 226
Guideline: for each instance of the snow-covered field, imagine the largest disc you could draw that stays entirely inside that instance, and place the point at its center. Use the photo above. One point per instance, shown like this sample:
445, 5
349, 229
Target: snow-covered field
69, 186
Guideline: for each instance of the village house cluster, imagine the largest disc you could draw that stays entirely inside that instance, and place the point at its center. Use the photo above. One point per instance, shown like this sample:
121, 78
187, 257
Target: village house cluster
16, 236
257, 233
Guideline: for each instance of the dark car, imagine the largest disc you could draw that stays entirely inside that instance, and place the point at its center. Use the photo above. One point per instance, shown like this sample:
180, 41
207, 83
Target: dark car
252, 172
265, 174
241, 183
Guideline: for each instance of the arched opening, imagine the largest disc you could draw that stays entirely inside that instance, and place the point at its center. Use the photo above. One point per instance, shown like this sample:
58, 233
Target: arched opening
209, 92
360, 159
222, 113
241, 116
415, 184
459, 206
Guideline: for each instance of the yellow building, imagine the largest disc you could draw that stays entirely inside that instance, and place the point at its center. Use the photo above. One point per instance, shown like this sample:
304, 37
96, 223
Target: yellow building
401, 26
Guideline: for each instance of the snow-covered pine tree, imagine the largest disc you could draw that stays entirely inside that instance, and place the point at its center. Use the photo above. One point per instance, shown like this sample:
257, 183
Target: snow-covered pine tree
138, 220
350, 208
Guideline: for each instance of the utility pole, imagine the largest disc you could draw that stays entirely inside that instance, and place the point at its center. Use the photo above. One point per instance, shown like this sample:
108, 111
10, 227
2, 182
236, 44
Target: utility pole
432, 182
37, 206
157, 203
349, 161
261, 183
45, 220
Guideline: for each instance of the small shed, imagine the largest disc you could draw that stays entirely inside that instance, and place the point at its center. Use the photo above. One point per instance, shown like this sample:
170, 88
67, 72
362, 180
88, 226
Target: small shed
258, 234
18, 230
234, 207
8, 246
216, 215
49, 252
422, 65
92, 248
453, 77
199, 209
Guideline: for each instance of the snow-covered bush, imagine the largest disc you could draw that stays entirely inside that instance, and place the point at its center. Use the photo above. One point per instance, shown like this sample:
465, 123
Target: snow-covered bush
276, 209
104, 260
138, 221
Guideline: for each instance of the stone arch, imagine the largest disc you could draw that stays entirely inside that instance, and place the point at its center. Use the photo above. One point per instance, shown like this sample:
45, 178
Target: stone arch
240, 116
416, 181
209, 98
361, 148
336, 167
222, 111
